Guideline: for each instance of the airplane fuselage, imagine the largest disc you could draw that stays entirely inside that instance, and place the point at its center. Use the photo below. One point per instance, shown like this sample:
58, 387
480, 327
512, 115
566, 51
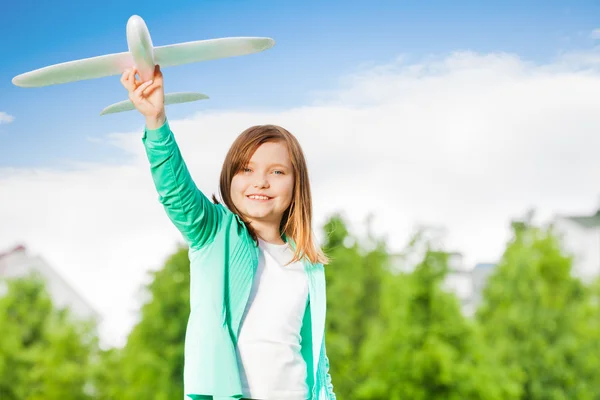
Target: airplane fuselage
143, 56
140, 46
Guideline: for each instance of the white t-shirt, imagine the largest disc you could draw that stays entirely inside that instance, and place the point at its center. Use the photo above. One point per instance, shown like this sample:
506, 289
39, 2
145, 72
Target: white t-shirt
269, 356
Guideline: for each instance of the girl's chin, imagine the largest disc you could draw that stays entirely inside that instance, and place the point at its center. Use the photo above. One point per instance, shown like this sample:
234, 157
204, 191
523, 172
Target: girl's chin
259, 213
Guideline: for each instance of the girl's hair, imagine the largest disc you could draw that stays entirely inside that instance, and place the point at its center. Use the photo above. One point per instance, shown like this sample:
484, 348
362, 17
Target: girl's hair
296, 222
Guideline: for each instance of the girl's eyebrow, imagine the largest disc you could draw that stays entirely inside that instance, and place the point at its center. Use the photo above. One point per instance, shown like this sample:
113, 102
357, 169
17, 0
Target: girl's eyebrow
279, 165
271, 165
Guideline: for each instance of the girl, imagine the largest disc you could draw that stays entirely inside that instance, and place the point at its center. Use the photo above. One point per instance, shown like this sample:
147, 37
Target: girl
257, 283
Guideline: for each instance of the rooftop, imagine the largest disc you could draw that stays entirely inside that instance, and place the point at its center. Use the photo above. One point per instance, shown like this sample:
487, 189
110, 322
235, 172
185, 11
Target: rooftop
587, 221
17, 262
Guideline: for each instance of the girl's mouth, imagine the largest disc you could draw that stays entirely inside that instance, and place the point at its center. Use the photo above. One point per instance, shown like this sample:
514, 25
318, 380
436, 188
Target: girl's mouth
258, 197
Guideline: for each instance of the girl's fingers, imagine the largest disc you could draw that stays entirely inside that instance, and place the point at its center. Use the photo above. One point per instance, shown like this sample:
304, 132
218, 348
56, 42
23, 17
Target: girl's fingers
151, 89
140, 89
125, 80
131, 79
155, 85
136, 78
128, 79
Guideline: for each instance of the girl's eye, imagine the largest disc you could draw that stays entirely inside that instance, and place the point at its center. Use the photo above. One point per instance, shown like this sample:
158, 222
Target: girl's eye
247, 170
278, 172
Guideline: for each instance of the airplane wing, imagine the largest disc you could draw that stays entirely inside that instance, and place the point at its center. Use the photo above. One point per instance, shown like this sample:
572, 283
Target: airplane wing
170, 98
165, 56
87, 68
203, 50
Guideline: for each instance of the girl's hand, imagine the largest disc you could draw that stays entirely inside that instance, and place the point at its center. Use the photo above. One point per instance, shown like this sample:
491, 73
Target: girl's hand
147, 97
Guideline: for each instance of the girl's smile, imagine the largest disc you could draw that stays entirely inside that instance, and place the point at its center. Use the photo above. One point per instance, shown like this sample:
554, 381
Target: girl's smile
258, 197
262, 190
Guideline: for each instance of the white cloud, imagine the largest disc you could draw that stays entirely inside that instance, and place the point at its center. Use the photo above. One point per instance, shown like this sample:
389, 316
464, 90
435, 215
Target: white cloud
6, 118
595, 34
467, 141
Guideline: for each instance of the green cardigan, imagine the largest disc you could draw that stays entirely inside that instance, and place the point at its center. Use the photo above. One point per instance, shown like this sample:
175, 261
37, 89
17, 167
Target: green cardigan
223, 260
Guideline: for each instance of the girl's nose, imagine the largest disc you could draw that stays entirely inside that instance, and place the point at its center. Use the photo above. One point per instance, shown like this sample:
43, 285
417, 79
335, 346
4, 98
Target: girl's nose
261, 182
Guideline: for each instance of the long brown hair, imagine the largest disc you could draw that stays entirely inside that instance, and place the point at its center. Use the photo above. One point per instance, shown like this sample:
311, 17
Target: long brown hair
296, 223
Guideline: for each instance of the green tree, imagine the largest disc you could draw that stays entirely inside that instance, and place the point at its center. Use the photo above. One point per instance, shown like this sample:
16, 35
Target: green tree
150, 366
539, 320
44, 352
421, 346
107, 374
353, 284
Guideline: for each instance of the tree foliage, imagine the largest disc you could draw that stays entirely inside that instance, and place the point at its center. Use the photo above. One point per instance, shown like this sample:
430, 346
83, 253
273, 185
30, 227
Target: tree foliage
151, 364
354, 278
539, 320
44, 352
391, 334
411, 340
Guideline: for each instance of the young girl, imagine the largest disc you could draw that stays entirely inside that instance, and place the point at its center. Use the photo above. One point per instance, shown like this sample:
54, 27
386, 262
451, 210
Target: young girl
257, 284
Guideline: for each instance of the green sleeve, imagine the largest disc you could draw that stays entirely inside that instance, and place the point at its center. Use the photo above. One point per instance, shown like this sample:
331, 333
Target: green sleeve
192, 213
328, 385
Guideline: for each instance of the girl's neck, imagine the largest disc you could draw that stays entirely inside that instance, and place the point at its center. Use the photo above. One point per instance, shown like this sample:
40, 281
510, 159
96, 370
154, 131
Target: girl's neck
267, 232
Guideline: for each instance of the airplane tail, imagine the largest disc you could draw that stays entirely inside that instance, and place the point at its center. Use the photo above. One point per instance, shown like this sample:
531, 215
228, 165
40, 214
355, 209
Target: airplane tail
170, 98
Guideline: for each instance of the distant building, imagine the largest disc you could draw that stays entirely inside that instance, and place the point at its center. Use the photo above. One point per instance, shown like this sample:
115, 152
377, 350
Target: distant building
580, 237
458, 278
467, 283
17, 263
479, 277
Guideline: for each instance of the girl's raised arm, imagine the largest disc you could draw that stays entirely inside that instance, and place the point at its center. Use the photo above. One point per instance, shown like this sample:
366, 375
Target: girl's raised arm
192, 213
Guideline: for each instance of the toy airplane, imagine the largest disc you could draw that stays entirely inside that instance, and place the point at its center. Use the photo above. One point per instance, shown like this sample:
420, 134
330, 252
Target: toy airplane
143, 55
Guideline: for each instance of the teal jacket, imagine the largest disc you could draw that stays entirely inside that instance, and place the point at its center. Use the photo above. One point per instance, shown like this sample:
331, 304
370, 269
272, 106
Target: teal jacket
223, 260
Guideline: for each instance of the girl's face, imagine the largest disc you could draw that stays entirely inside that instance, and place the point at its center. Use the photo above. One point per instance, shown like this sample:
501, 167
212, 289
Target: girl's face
263, 189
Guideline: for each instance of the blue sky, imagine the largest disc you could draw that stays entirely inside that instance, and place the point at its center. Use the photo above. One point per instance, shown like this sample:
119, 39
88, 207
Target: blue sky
317, 44
427, 148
